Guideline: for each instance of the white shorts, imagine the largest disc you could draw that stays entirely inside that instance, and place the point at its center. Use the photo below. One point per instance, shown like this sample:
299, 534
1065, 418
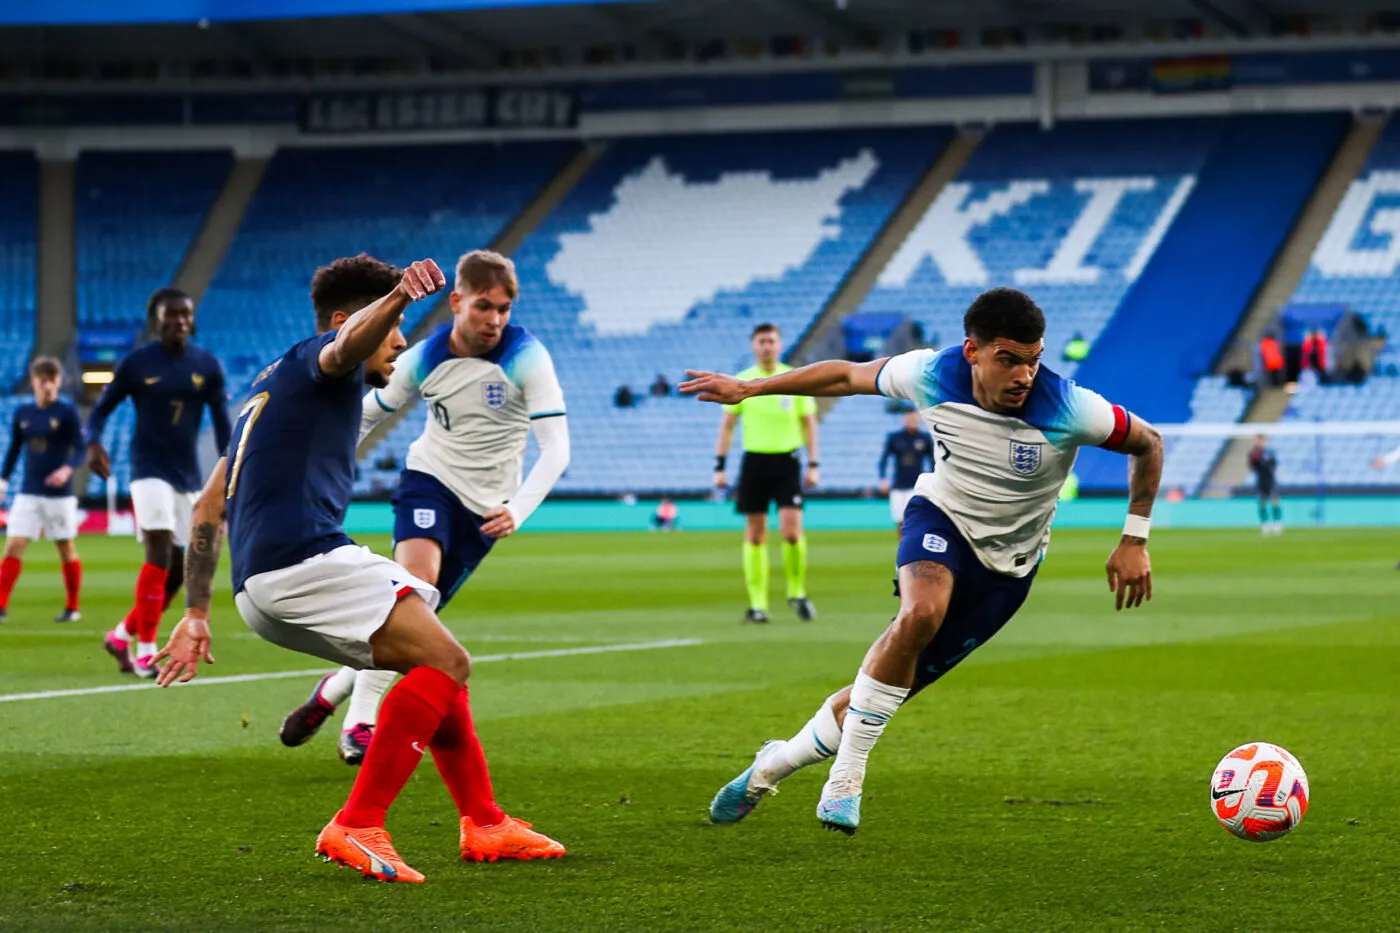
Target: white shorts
329, 605
158, 507
899, 501
54, 518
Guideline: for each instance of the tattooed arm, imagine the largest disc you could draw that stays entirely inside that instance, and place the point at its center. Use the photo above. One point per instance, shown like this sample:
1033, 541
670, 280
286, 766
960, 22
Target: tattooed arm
190, 641
1129, 567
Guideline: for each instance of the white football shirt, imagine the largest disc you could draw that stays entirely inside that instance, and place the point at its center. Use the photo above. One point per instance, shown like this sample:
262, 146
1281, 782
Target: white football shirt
479, 411
998, 477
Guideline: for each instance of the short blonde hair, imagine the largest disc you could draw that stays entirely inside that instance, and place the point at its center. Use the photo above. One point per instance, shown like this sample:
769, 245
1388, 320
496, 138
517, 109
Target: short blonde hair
482, 270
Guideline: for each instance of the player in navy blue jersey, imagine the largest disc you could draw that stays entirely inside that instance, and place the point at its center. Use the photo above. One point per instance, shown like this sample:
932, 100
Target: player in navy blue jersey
908, 449
169, 382
300, 582
50, 433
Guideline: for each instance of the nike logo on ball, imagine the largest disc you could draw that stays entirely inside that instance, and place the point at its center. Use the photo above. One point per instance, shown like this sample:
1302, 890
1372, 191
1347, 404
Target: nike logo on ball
1218, 794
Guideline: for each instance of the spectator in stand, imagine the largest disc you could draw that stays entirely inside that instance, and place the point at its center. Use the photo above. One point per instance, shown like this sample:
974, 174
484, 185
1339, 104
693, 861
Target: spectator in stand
660, 388
624, 398
1315, 353
1271, 359
667, 517
1077, 350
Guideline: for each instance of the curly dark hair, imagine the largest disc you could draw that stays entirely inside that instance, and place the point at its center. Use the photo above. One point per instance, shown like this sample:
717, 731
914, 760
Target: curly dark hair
349, 284
1004, 312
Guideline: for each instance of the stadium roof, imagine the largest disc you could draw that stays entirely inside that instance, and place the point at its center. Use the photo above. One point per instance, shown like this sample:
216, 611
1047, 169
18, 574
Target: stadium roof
480, 37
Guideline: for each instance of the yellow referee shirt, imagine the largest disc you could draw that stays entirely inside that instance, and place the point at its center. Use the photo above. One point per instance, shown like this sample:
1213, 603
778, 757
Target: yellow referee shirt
772, 424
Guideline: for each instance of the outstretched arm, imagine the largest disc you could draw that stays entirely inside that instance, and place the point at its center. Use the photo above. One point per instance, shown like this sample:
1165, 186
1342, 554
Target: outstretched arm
825, 379
361, 335
1129, 567
215, 396
190, 640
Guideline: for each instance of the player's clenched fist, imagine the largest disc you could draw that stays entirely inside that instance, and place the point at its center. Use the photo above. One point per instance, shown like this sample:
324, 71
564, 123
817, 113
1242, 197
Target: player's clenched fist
422, 279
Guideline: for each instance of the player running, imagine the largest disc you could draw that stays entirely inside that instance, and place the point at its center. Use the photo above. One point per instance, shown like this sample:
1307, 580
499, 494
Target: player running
486, 382
169, 381
974, 533
1264, 464
908, 449
51, 435
300, 582
771, 471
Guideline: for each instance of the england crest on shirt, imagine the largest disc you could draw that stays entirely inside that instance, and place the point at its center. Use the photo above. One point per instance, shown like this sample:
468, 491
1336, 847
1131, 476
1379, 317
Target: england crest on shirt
494, 394
425, 518
1024, 458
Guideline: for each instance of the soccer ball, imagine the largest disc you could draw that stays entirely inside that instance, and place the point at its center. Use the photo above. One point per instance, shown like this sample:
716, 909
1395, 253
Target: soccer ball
1259, 792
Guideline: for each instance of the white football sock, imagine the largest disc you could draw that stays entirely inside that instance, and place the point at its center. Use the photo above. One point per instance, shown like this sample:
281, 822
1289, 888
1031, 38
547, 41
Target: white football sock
872, 705
814, 742
144, 649
337, 690
122, 635
370, 687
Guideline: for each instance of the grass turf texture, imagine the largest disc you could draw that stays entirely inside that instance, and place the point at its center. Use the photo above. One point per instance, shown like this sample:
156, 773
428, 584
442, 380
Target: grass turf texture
1056, 780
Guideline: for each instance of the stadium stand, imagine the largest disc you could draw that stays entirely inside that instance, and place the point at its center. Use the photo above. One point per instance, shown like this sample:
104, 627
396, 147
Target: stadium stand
1193, 291
664, 257
396, 203
137, 214
1356, 264
19, 224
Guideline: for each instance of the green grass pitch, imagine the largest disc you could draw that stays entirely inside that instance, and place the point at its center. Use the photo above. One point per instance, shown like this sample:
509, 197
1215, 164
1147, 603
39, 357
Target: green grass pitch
1056, 781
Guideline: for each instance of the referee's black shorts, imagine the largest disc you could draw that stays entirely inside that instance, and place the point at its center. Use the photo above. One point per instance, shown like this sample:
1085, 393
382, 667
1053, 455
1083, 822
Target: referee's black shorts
765, 478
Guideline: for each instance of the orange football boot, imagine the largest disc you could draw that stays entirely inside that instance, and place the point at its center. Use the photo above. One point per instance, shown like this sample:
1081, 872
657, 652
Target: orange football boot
510, 838
368, 850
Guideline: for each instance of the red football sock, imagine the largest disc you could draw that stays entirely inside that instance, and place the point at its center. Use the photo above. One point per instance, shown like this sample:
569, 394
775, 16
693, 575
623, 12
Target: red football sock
150, 600
410, 715
72, 583
9, 573
461, 761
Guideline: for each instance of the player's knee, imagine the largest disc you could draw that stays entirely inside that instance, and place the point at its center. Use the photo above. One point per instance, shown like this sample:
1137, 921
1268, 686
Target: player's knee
158, 546
920, 616
15, 547
455, 663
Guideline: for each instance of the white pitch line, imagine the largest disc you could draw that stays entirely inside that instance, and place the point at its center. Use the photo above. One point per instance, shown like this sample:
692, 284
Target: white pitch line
282, 675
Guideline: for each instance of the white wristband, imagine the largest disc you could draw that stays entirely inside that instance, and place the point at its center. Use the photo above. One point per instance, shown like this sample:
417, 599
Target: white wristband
1135, 526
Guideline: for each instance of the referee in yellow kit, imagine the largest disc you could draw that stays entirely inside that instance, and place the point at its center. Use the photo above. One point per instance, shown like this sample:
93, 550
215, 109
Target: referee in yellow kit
775, 426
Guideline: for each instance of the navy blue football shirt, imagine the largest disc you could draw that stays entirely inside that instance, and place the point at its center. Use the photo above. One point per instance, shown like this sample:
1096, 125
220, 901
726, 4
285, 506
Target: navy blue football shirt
909, 451
50, 438
170, 391
291, 463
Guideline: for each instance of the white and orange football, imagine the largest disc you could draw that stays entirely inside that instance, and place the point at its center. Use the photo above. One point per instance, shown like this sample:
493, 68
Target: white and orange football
1259, 792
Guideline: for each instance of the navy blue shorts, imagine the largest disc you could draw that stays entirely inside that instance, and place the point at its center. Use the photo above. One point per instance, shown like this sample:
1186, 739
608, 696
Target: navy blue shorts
983, 600
425, 508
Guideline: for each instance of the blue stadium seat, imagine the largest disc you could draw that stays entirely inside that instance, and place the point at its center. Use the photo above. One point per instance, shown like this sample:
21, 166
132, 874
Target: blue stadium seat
19, 234
137, 215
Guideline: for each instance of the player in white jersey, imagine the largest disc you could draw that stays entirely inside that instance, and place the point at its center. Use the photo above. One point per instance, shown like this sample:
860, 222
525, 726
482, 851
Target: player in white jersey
974, 534
486, 383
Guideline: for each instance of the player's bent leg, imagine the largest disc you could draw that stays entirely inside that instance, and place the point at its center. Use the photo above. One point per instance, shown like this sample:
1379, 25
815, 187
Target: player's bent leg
776, 760
884, 681
435, 666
